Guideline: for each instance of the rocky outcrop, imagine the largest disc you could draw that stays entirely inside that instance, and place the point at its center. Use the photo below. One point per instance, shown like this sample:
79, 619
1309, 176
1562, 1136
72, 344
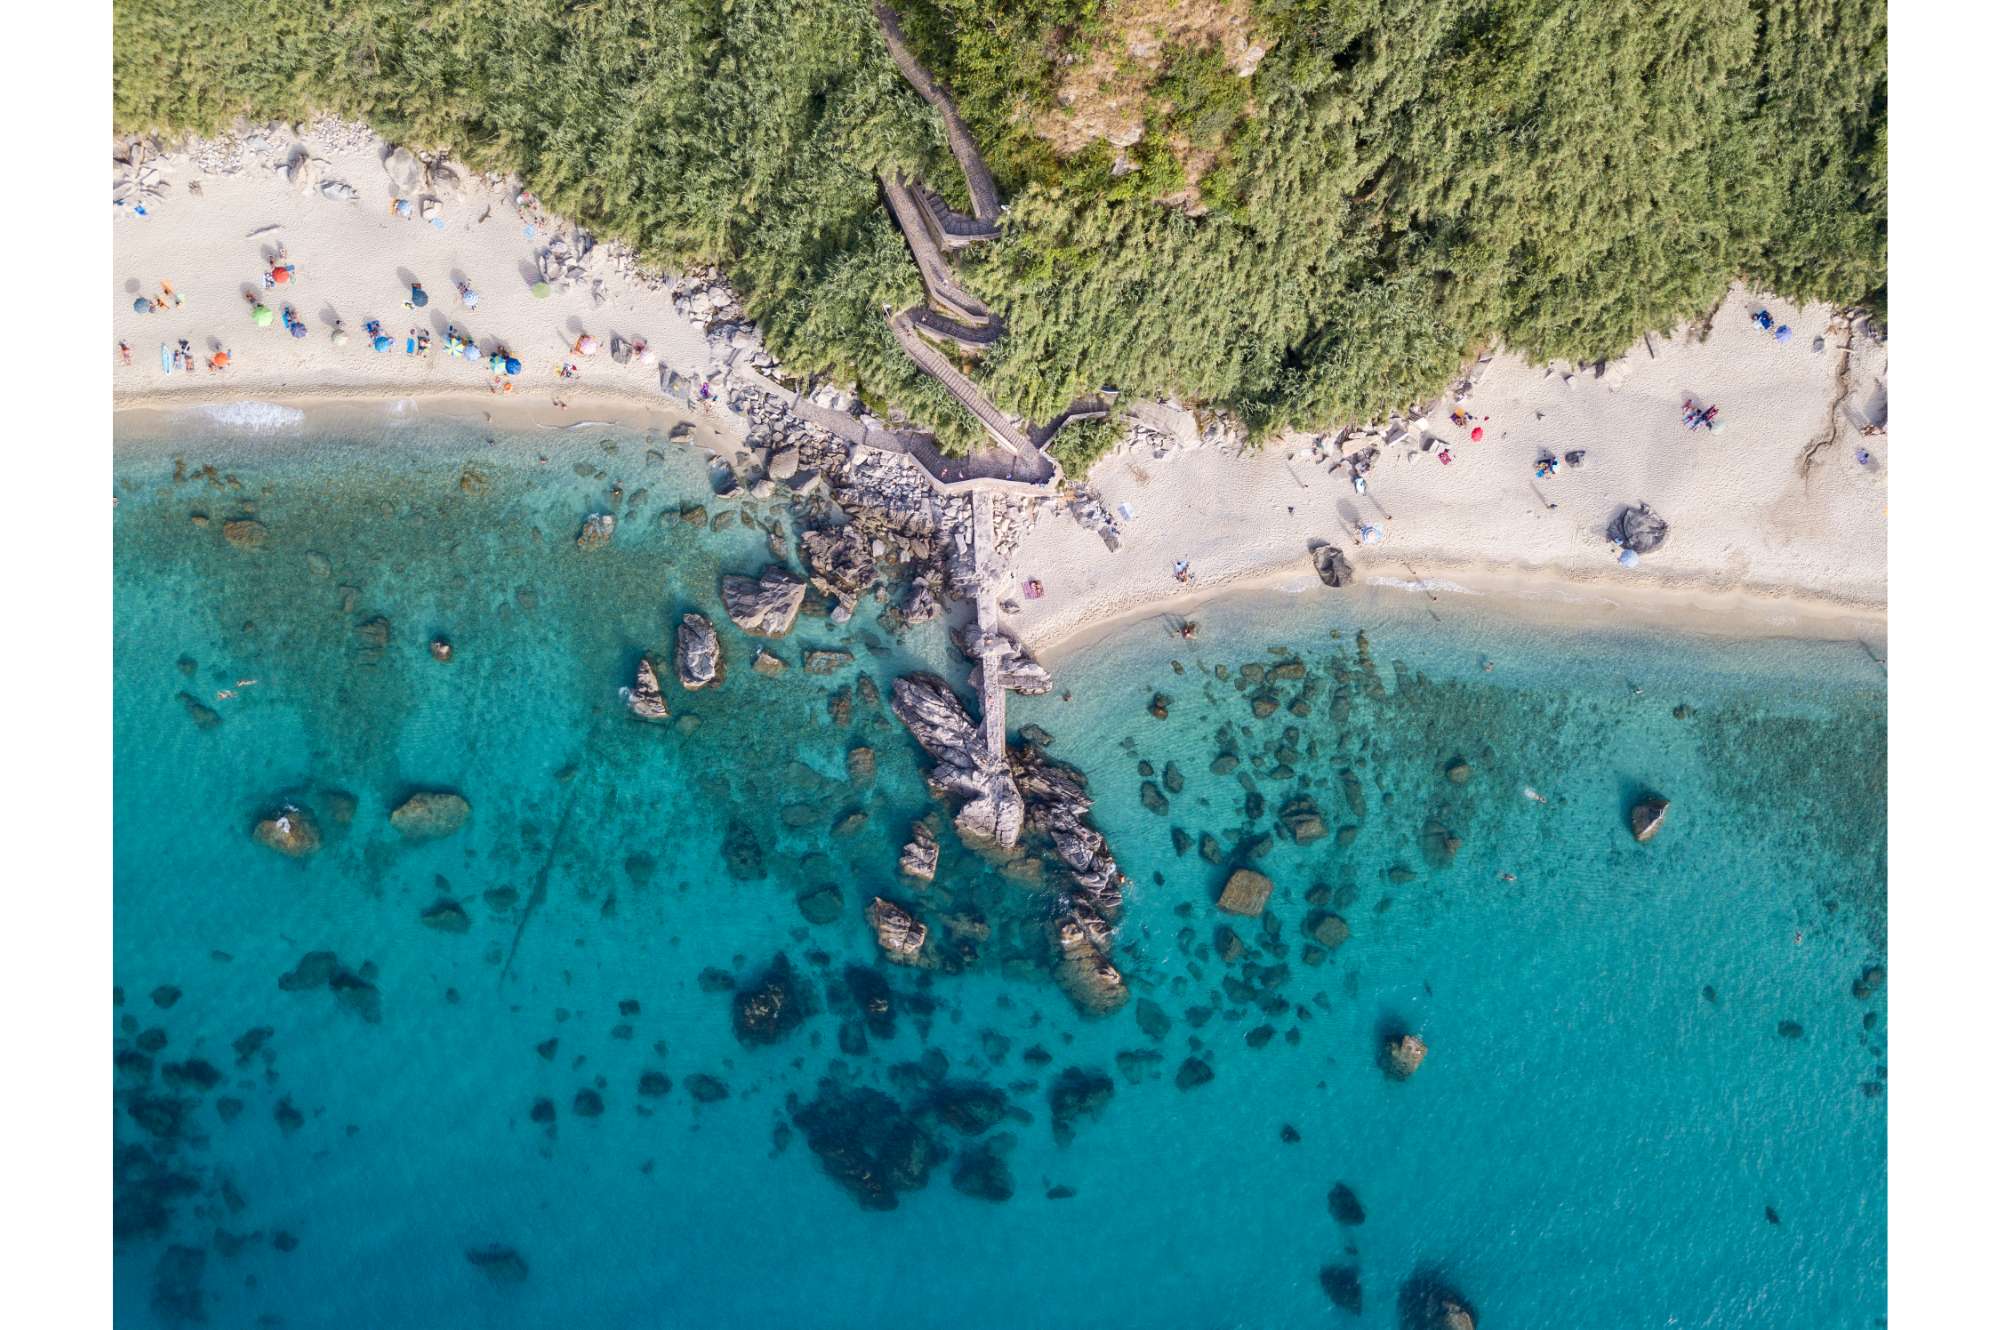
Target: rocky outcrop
1057, 802
1647, 816
767, 606
1426, 1302
246, 533
596, 533
921, 605
644, 697
992, 813
290, 830
430, 814
898, 932
867, 1143
697, 652
920, 856
1083, 966
841, 563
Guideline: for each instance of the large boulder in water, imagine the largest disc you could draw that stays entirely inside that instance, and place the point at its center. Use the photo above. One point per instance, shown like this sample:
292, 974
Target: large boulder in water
767, 606
1647, 816
920, 856
1403, 1055
644, 697
697, 652
898, 932
290, 830
1332, 566
1638, 529
430, 814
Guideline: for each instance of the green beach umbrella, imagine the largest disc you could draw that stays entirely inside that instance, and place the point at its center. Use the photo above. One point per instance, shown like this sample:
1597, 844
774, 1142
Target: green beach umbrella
540, 290
261, 316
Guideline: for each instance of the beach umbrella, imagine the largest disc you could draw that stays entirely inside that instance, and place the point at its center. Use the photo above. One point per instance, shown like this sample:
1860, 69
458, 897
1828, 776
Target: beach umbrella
142, 306
279, 276
1478, 433
298, 328
383, 343
261, 316
419, 297
540, 290
340, 337
513, 365
586, 345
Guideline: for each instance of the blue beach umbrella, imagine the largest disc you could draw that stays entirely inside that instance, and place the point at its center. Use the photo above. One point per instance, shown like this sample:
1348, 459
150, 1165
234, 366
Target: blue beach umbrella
513, 365
142, 306
383, 343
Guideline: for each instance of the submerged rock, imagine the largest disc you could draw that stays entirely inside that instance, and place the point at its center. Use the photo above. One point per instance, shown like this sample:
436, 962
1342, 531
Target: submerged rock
982, 1172
246, 534
502, 1265
1326, 928
898, 932
1342, 1285
644, 697
290, 830
447, 916
742, 852
1245, 893
767, 606
1345, 1206
697, 652
771, 1007
1193, 1072
821, 905
1077, 1094
1301, 819
1647, 816
430, 814
867, 1143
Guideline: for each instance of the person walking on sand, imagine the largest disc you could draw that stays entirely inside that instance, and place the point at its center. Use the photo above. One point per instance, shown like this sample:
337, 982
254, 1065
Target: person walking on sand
125, 352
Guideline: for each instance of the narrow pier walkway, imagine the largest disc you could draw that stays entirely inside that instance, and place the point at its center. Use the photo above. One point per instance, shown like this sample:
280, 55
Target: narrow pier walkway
992, 693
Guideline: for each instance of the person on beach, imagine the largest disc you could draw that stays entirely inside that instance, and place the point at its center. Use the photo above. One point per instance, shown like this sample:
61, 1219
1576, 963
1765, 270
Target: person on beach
169, 296
185, 355
1181, 571
218, 362
469, 296
125, 353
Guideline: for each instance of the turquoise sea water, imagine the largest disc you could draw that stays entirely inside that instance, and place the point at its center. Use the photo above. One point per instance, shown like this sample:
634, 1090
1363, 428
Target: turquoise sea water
1608, 1110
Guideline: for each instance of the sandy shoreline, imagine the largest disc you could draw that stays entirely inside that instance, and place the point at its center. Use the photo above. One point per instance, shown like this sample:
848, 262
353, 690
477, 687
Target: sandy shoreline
1759, 546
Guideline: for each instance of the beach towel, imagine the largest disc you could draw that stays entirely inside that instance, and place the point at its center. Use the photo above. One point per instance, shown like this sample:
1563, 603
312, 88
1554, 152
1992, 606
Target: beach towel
166, 359
1125, 511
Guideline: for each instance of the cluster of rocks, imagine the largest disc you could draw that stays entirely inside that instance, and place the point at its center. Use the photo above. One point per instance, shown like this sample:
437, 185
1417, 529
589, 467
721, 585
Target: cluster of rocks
1004, 797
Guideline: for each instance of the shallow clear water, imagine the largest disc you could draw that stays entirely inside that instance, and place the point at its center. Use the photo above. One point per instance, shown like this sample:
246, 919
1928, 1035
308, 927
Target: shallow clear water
1592, 1141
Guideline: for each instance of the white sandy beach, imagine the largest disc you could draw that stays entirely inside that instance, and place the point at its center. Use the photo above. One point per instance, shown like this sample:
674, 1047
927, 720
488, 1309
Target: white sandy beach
355, 261
1755, 546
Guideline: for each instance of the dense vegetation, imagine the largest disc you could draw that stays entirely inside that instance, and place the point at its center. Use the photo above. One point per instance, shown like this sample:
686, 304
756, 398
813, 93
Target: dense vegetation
1399, 181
